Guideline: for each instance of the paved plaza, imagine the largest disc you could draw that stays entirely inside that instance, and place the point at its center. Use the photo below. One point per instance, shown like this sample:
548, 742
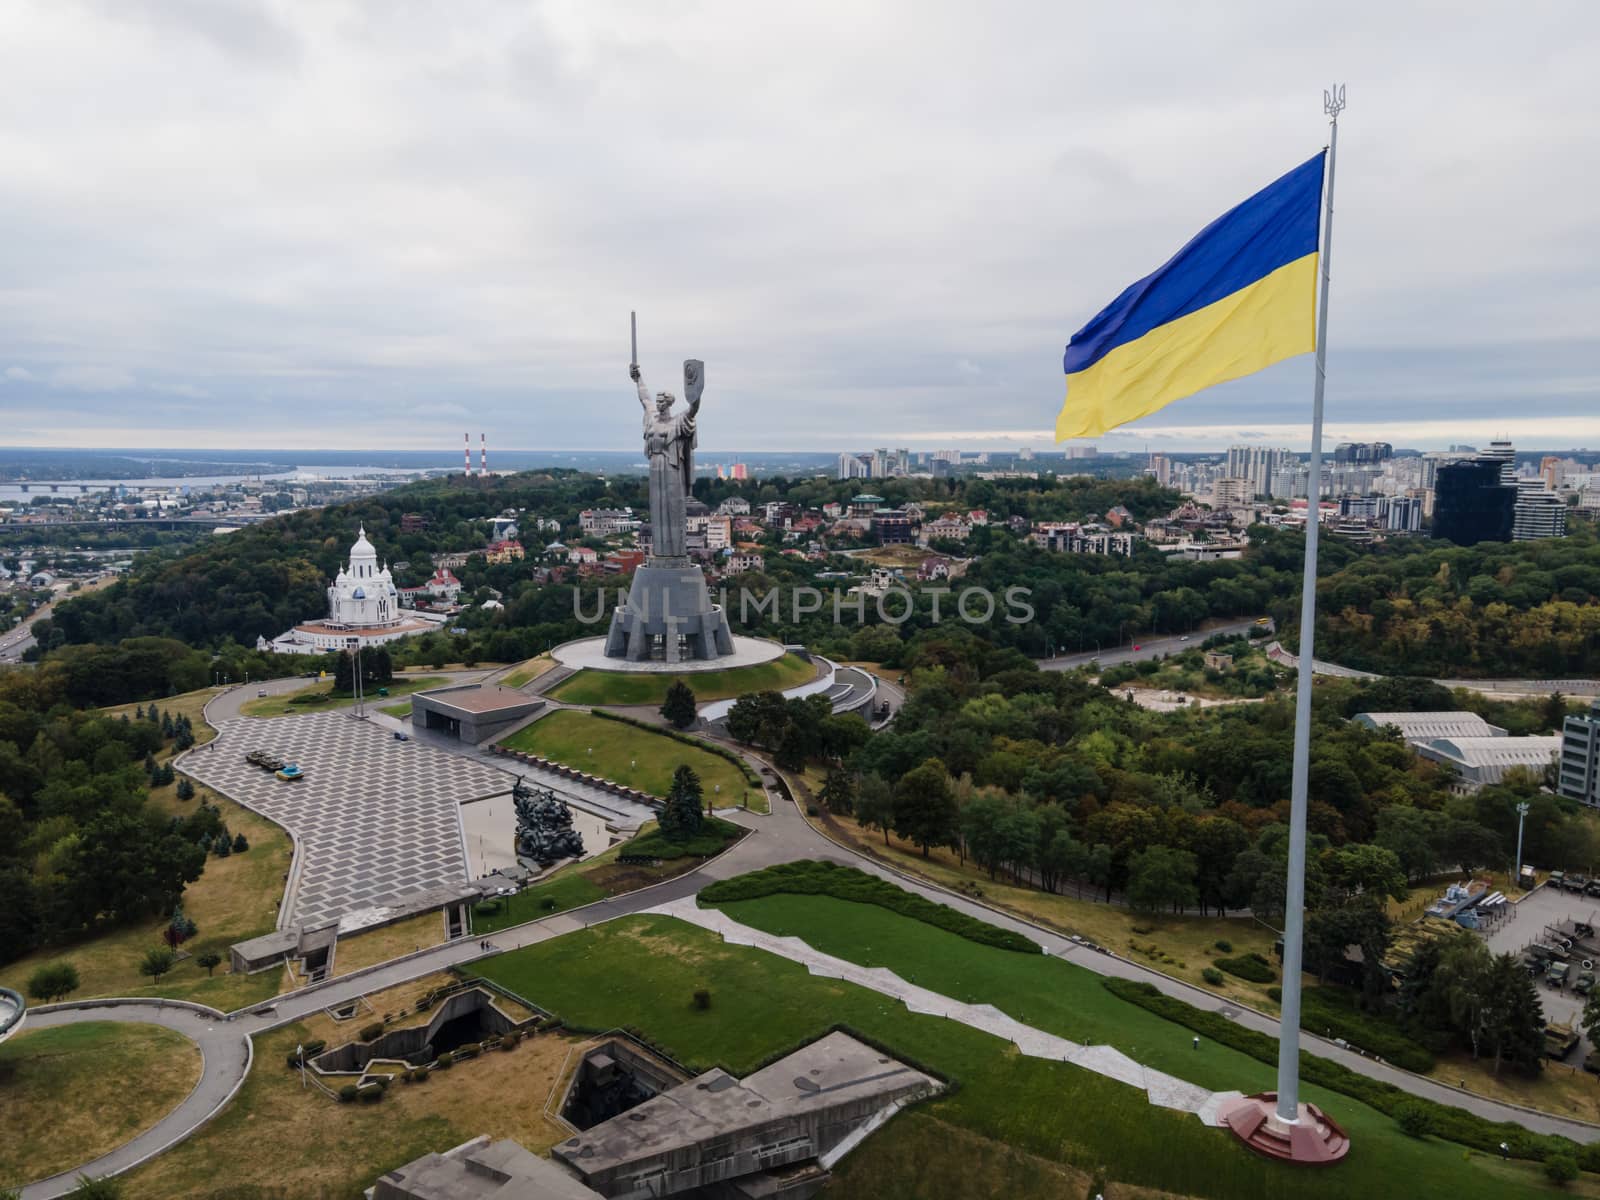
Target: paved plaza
375, 819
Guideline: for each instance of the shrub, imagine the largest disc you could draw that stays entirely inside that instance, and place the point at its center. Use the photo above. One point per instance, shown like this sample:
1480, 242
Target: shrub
420, 1075
53, 981
470, 1050
1224, 945
1561, 1169
509, 1042
348, 1093
812, 878
1212, 976
1450, 1123
1249, 966
1413, 1119
368, 1032
445, 1062
1332, 1011
702, 998
1275, 994
370, 1094
547, 903
486, 908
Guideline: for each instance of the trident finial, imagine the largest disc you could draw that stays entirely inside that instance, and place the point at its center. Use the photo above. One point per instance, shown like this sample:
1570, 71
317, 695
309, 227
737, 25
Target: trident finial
1333, 101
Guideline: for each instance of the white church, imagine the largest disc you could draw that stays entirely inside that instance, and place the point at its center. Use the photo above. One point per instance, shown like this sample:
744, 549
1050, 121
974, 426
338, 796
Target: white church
363, 605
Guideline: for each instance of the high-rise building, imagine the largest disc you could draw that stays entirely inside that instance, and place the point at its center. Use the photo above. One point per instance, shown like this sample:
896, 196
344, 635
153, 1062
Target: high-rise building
1539, 512
1161, 467
1232, 493
1083, 452
902, 461
1471, 502
1553, 471
1258, 464
1578, 777
1025, 454
852, 466
880, 462
1405, 514
1504, 454
1362, 452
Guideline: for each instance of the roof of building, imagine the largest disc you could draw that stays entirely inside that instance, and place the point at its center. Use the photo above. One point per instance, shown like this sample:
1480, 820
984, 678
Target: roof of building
1425, 726
501, 1170
831, 1069
1498, 751
479, 698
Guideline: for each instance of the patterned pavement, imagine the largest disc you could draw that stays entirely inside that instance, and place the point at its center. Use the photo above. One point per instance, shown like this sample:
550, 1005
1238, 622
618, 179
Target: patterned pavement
375, 820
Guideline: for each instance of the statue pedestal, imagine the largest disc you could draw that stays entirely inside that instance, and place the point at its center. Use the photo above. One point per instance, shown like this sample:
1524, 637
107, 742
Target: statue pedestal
668, 616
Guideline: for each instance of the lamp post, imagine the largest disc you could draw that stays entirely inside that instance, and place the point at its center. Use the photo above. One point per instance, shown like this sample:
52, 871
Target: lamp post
1523, 807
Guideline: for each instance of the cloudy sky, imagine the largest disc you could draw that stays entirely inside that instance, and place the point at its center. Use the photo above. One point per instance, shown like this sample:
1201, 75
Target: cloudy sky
341, 224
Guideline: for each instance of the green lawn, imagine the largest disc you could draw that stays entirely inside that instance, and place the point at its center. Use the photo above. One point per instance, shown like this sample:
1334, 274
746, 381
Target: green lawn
641, 972
628, 755
558, 894
72, 1093
400, 711
284, 705
619, 687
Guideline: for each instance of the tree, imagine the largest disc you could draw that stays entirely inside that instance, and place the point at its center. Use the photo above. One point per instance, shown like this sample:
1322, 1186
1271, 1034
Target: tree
681, 815
838, 792
209, 959
185, 789
240, 843
875, 805
52, 982
925, 806
679, 708
1161, 879
157, 961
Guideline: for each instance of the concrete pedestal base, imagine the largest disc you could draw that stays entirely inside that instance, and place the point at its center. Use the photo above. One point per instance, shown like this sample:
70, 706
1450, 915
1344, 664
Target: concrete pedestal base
1313, 1140
668, 616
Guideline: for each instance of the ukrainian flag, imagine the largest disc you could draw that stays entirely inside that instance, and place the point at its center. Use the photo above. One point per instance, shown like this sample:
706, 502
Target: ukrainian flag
1240, 296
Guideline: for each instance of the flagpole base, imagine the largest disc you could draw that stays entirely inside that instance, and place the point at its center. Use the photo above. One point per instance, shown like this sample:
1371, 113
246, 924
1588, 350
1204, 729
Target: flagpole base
1312, 1140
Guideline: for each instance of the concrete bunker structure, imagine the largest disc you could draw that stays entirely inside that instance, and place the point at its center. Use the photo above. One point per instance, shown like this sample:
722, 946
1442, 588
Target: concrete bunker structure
472, 712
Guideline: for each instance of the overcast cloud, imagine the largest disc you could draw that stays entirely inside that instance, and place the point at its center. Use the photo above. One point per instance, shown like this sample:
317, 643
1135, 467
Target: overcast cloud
237, 222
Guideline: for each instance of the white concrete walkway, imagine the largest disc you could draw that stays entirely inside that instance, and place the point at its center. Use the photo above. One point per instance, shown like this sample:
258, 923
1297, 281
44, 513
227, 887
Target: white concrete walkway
1163, 1090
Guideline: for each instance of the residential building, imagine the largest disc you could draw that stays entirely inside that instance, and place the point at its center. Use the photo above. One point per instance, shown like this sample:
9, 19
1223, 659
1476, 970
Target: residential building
740, 561
1233, 492
891, 527
504, 552
441, 588
734, 506
414, 522
1362, 452
1579, 774
1538, 513
602, 522
582, 555
853, 466
950, 527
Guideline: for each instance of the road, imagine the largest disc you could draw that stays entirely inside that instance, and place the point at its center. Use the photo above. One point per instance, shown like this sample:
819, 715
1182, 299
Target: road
225, 1053
14, 643
1146, 648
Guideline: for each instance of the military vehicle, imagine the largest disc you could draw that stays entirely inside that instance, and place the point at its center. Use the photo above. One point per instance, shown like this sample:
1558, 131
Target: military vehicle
1556, 974
1560, 1040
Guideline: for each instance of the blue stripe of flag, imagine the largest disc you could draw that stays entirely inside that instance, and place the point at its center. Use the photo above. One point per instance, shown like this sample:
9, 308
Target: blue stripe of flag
1274, 227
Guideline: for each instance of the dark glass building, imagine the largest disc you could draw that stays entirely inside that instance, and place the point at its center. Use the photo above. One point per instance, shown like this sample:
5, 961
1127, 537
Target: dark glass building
1472, 504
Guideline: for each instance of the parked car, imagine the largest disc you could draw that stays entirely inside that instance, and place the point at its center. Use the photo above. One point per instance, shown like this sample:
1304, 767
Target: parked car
261, 691
401, 737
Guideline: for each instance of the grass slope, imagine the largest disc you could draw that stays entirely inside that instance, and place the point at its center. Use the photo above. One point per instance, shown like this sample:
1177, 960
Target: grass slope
641, 972
626, 754
284, 705
72, 1093
618, 687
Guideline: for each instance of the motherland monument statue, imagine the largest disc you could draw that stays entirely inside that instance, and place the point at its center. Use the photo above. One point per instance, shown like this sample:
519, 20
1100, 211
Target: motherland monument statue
668, 614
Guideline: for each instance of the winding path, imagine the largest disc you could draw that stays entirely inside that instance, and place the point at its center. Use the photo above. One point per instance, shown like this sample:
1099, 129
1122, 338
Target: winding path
225, 1053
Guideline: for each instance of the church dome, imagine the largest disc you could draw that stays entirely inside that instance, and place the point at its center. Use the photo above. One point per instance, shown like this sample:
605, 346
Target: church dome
362, 548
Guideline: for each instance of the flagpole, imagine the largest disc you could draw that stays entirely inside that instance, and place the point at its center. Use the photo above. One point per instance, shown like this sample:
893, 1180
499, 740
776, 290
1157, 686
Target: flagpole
1295, 894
